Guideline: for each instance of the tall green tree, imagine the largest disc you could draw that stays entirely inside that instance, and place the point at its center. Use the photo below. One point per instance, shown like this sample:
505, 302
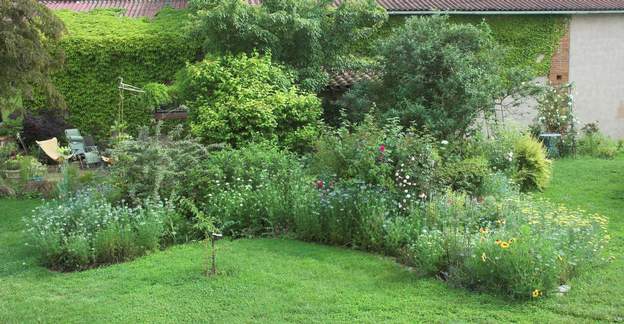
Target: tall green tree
434, 74
28, 32
313, 37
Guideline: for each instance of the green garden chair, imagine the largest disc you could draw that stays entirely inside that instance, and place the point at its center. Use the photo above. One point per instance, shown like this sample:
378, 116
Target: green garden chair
88, 154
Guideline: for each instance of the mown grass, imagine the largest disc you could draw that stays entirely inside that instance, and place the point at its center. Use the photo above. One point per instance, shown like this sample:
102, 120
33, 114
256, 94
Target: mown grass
275, 280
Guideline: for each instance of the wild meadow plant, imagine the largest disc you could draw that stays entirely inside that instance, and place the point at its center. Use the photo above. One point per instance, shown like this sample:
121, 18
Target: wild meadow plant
86, 230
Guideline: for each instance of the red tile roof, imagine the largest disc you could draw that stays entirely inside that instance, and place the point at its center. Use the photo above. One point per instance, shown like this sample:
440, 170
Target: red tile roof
134, 8
138, 8
502, 5
345, 79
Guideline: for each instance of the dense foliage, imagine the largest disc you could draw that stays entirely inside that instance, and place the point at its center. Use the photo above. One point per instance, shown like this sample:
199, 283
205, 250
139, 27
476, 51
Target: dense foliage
43, 124
257, 190
313, 37
533, 167
153, 166
435, 75
102, 46
28, 33
502, 242
87, 230
530, 41
235, 99
596, 144
414, 177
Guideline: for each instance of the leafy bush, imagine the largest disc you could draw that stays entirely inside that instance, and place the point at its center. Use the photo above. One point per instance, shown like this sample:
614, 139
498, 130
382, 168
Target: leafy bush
12, 118
594, 143
498, 148
354, 152
499, 185
519, 247
533, 169
257, 189
236, 99
102, 46
435, 75
44, 124
7, 151
310, 36
399, 161
466, 175
86, 231
153, 165
350, 213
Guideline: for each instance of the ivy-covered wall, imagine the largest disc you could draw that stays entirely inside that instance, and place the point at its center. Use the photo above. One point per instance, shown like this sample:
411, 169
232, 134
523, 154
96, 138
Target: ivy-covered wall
531, 40
102, 46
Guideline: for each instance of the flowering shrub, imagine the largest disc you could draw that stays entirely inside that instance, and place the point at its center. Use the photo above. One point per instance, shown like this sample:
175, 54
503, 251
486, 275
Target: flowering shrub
257, 189
244, 208
555, 114
519, 247
554, 111
86, 231
361, 152
398, 161
534, 249
498, 148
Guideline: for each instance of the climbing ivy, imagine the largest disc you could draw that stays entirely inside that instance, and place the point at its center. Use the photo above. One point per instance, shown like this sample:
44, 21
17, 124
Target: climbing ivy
530, 40
103, 45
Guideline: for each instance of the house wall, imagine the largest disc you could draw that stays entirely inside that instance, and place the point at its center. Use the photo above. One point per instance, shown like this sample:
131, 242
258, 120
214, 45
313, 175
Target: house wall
560, 63
597, 70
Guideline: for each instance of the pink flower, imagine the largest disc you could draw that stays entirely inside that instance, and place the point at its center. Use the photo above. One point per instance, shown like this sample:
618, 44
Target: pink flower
382, 148
319, 184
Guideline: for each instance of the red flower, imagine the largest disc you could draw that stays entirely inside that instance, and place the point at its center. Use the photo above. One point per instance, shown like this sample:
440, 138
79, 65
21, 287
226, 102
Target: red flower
382, 148
319, 184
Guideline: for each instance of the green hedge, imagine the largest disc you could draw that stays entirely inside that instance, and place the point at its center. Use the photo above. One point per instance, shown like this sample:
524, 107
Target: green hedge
526, 37
101, 46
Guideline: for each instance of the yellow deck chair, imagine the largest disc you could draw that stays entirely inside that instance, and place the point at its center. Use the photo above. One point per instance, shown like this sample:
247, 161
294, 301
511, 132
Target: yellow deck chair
51, 149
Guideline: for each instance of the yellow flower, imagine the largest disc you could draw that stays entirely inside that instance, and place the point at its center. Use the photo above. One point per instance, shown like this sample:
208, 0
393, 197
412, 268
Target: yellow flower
483, 257
498, 241
504, 245
536, 293
483, 230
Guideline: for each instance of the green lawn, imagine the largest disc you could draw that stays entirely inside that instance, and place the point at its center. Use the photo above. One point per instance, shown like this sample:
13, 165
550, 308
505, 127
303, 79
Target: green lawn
274, 280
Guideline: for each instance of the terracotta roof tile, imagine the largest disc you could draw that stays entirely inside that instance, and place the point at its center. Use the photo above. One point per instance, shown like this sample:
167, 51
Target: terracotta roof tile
133, 8
346, 79
138, 8
502, 5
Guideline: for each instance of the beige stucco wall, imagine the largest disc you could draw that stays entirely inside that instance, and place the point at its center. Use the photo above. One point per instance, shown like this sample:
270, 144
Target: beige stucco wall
597, 70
